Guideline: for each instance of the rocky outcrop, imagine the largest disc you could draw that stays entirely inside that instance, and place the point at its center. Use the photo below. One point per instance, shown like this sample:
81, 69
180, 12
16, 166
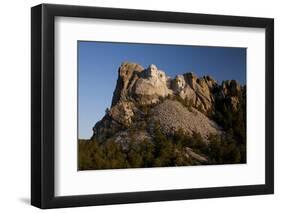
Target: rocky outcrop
231, 90
189, 153
124, 138
198, 91
122, 112
127, 75
138, 87
144, 86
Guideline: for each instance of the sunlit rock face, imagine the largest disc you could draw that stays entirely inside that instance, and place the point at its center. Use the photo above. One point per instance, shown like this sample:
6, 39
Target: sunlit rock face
152, 86
127, 74
197, 91
137, 86
178, 84
151, 72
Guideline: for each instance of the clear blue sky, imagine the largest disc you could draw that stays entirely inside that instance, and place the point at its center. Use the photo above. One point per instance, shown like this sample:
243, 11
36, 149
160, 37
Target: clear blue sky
98, 64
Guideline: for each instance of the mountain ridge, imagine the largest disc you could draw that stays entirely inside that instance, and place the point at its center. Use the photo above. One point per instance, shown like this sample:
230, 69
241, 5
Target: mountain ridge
138, 87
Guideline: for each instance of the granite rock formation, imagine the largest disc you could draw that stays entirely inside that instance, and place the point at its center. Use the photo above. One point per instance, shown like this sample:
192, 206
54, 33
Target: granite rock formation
184, 102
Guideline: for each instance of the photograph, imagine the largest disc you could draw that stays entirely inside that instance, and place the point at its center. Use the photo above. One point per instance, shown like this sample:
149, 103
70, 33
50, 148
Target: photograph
134, 105
160, 105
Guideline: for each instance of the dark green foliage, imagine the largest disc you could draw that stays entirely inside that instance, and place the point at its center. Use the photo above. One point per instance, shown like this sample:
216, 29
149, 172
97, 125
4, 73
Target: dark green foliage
223, 150
164, 150
233, 123
91, 156
195, 141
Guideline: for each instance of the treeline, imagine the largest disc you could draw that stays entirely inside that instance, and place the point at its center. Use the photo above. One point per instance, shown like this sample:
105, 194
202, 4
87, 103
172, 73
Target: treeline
161, 151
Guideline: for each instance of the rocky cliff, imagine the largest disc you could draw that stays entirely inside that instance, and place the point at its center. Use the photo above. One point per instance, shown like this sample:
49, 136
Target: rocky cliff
150, 96
157, 120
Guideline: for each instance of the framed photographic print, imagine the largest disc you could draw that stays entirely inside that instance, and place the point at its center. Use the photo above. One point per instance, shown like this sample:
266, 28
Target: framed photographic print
139, 106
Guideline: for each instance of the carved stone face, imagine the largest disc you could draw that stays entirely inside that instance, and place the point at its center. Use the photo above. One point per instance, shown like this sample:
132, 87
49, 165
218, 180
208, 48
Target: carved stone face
162, 76
152, 71
179, 82
153, 67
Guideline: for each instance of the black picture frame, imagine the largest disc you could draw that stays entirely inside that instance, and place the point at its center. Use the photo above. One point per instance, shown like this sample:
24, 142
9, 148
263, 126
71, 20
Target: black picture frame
43, 110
